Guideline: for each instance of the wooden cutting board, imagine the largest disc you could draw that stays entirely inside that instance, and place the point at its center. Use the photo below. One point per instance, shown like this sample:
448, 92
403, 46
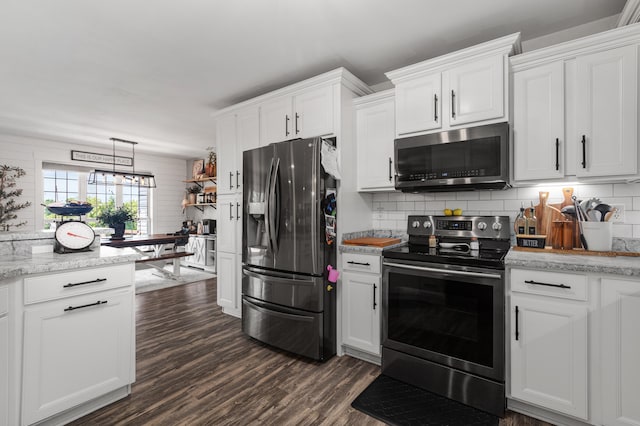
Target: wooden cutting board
372, 241
547, 213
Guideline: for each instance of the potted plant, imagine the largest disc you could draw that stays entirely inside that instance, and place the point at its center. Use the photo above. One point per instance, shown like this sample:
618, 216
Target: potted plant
9, 196
116, 218
193, 192
210, 167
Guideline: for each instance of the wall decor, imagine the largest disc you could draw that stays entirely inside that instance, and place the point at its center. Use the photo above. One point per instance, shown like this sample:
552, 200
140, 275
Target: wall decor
95, 157
198, 168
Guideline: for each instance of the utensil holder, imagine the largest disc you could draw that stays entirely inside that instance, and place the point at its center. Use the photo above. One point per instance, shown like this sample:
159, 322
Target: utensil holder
599, 235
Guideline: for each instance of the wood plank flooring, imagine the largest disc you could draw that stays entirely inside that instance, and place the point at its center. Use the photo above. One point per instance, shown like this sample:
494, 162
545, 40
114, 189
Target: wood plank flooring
195, 367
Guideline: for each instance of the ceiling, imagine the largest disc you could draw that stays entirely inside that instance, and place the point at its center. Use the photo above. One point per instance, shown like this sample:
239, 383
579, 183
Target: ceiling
155, 71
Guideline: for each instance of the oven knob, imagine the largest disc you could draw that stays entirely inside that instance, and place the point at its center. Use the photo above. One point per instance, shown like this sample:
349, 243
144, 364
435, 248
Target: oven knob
497, 226
482, 226
415, 224
427, 224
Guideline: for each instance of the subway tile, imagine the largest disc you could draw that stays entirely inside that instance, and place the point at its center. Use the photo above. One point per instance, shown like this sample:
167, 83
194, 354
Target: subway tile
512, 205
636, 231
398, 215
622, 230
377, 215
485, 195
445, 196
468, 195
636, 203
435, 206
529, 193
381, 196
414, 197
626, 201
632, 217
387, 224
389, 205
406, 205
507, 194
486, 205
626, 189
396, 196
420, 206
589, 191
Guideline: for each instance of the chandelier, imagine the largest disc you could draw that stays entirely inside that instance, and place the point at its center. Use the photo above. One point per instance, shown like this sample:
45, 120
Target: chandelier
120, 177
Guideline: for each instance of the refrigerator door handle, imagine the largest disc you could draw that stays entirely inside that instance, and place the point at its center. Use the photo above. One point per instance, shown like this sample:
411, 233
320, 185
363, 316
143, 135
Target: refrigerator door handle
274, 207
267, 210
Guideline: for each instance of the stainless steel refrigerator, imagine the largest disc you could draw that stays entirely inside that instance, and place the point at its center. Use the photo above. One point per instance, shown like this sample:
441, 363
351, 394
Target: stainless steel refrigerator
285, 299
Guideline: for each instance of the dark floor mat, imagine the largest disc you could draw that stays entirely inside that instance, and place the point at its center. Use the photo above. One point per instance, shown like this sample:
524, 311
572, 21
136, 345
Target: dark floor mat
398, 403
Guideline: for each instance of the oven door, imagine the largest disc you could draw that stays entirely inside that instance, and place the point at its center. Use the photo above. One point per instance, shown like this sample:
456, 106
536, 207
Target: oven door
450, 315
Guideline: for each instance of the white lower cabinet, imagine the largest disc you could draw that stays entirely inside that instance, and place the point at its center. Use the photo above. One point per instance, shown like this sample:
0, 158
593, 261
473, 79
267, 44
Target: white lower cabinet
228, 281
361, 302
4, 356
620, 316
574, 346
549, 353
75, 350
361, 311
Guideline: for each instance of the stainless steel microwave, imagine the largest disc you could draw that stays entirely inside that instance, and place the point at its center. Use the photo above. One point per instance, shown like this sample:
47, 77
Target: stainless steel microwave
456, 160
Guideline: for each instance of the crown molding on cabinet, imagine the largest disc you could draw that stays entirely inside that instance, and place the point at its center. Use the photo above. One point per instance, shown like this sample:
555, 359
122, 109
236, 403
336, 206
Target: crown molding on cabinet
338, 75
630, 14
374, 97
605, 40
507, 45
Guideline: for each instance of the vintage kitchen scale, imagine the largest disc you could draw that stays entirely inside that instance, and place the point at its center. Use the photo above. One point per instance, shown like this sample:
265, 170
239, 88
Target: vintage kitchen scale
71, 235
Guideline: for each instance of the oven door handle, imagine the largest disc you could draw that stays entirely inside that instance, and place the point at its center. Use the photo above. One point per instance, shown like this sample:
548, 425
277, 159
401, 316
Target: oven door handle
444, 271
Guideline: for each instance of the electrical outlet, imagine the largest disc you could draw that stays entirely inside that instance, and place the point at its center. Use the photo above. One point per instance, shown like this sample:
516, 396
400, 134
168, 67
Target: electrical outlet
618, 215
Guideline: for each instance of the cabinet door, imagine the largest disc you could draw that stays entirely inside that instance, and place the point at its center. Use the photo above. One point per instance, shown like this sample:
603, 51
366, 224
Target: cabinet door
375, 134
549, 354
361, 311
538, 122
313, 113
276, 120
248, 137
74, 355
419, 105
476, 91
607, 112
226, 153
226, 225
620, 351
227, 286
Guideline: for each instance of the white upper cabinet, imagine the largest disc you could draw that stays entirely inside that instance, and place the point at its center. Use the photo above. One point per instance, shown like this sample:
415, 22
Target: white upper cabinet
374, 140
607, 112
419, 104
476, 91
305, 114
454, 90
226, 153
247, 138
575, 109
538, 125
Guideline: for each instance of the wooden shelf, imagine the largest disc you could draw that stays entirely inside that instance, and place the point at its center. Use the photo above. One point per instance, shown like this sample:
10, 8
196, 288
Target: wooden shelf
206, 179
200, 206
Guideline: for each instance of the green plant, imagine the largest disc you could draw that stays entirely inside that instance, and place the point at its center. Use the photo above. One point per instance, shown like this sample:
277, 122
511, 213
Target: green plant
212, 155
112, 216
8, 205
195, 189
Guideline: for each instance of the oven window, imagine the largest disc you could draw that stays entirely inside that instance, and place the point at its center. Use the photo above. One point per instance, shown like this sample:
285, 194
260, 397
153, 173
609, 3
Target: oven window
450, 317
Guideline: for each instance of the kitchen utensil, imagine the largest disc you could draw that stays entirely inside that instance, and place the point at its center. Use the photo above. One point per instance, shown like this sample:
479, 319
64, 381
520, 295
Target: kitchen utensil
594, 215
591, 203
603, 209
580, 216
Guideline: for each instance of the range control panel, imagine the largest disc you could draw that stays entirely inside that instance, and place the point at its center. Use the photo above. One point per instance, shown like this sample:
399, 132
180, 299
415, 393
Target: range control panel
494, 227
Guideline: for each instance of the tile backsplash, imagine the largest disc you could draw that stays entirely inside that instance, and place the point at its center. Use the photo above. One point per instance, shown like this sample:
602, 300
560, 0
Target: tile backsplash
390, 209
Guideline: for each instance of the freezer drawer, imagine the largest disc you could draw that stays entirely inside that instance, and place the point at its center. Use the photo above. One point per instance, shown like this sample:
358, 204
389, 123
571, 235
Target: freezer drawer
287, 289
293, 330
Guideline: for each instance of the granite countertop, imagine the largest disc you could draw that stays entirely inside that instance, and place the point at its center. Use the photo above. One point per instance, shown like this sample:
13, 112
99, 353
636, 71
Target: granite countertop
16, 265
618, 265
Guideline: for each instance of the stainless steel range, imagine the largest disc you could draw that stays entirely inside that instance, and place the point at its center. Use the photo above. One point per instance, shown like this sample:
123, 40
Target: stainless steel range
443, 309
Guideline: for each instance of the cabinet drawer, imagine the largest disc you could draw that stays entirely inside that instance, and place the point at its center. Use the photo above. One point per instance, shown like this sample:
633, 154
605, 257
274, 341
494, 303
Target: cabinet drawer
555, 284
82, 281
361, 262
4, 300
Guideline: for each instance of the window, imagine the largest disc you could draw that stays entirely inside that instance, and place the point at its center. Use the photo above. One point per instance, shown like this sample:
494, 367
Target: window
68, 183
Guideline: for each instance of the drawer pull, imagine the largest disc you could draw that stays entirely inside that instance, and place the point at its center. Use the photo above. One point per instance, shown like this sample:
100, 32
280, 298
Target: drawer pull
359, 263
73, 308
374, 297
97, 280
547, 284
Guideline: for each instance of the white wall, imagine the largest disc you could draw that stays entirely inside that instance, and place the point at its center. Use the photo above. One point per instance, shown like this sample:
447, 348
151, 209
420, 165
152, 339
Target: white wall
572, 33
391, 209
29, 153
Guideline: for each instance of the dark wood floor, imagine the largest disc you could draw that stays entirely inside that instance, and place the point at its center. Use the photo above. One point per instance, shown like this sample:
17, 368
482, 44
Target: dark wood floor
195, 367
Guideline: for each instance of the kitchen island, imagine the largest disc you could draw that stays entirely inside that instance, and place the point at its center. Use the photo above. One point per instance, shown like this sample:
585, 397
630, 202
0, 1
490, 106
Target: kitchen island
67, 329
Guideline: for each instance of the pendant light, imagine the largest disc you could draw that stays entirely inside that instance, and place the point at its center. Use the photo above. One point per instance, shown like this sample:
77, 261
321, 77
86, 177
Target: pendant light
120, 177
